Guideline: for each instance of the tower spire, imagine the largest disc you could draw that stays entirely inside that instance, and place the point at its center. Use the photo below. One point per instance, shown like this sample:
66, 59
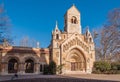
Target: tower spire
73, 4
72, 20
87, 29
56, 26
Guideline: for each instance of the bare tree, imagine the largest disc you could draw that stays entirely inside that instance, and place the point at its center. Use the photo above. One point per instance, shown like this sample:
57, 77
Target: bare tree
109, 37
27, 42
4, 26
24, 42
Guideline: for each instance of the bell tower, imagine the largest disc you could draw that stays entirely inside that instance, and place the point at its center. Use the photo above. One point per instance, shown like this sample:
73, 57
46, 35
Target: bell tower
72, 22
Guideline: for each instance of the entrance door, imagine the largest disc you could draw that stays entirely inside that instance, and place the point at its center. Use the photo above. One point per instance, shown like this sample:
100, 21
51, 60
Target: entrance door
73, 67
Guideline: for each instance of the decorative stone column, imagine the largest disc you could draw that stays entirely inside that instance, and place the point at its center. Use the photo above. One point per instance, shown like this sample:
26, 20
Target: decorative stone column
4, 68
89, 70
21, 68
64, 68
37, 68
82, 67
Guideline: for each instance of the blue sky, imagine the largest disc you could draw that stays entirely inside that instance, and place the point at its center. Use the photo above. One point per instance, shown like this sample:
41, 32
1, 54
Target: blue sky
36, 18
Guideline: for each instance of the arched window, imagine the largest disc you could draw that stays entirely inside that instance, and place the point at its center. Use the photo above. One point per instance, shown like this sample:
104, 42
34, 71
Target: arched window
57, 36
56, 30
64, 36
74, 20
29, 66
12, 66
90, 39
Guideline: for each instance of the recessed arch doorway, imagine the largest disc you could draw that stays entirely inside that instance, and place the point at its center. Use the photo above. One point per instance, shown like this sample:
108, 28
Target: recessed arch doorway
75, 61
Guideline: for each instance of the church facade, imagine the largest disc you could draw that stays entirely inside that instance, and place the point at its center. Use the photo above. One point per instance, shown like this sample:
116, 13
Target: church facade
70, 49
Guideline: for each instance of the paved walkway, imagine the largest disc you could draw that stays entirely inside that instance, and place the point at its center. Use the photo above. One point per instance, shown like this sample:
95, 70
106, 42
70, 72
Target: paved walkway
97, 76
80, 76
9, 77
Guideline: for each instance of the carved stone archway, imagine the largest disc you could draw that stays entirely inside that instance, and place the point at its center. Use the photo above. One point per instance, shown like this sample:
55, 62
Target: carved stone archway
75, 60
29, 66
13, 65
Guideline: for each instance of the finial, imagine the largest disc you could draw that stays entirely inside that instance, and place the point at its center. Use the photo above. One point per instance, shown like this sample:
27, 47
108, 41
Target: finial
56, 26
87, 30
56, 23
73, 4
38, 44
87, 27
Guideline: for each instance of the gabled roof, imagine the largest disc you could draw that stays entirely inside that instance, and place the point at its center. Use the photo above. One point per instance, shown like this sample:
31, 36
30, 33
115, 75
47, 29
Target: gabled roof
73, 6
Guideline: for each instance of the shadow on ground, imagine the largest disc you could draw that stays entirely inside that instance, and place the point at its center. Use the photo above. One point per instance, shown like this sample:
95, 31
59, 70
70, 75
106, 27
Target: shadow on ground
57, 79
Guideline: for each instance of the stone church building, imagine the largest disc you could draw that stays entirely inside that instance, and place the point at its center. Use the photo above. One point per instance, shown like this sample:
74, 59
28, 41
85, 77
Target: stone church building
70, 48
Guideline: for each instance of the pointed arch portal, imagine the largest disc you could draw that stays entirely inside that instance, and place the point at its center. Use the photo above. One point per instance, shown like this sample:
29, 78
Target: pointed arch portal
75, 61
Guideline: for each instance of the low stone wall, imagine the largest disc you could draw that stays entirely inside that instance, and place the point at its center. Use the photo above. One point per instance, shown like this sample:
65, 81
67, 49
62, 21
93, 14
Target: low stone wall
57, 80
